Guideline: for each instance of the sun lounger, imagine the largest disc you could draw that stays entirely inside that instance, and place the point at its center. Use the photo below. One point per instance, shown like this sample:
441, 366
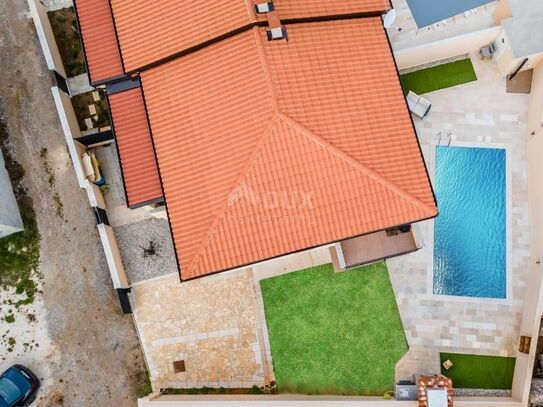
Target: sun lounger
418, 105
488, 51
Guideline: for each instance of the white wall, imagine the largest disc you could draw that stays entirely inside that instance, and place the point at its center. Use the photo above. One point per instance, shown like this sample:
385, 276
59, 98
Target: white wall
46, 36
535, 109
113, 257
533, 308
10, 218
443, 49
289, 400
71, 128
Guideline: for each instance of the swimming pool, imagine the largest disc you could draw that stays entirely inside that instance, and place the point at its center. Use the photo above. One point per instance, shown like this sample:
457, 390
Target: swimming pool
470, 231
427, 12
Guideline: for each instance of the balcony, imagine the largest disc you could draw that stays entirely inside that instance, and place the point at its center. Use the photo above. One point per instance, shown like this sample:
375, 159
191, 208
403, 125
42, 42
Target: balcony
374, 247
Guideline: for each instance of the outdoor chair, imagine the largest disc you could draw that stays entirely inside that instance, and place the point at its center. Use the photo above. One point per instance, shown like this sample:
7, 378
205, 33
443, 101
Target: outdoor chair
488, 51
418, 105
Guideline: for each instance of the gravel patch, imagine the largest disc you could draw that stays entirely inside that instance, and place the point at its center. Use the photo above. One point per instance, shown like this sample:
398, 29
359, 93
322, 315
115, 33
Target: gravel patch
536, 393
146, 249
481, 393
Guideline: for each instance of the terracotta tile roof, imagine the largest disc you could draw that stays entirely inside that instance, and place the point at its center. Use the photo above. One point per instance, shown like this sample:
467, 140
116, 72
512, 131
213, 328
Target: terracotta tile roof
267, 148
135, 147
296, 9
349, 88
149, 32
99, 40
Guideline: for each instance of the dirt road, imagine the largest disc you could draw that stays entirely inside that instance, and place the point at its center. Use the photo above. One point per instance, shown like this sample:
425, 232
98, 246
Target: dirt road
89, 355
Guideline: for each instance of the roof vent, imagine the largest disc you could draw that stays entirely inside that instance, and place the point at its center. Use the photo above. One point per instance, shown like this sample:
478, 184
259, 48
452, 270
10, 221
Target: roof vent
278, 33
262, 8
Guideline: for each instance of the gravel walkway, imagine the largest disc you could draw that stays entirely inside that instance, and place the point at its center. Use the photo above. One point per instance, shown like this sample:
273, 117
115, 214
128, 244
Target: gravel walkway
94, 358
481, 393
536, 393
146, 249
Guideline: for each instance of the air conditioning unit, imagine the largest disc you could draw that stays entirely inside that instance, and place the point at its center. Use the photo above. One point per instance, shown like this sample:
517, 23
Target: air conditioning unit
278, 33
262, 8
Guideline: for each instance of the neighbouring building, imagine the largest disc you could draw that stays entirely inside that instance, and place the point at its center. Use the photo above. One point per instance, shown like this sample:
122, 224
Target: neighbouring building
520, 43
10, 218
264, 128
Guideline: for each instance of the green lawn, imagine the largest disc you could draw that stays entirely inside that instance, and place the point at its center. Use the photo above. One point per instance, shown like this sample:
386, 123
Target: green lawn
479, 372
334, 333
439, 77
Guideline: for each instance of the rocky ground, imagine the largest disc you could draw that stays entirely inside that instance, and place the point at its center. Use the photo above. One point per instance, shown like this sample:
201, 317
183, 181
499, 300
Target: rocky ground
73, 335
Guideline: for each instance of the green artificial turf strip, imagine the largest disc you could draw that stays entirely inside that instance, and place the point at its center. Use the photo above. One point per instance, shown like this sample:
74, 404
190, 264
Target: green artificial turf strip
479, 372
439, 77
334, 333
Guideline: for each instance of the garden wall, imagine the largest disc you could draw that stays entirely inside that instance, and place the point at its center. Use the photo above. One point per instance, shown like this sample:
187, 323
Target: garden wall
71, 129
444, 49
289, 400
533, 308
46, 36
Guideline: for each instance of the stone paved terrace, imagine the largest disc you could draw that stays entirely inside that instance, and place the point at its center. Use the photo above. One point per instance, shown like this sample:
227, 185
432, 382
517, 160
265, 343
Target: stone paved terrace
210, 323
477, 113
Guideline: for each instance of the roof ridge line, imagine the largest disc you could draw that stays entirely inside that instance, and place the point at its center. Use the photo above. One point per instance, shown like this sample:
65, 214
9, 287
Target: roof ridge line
251, 10
266, 69
347, 158
222, 212
253, 23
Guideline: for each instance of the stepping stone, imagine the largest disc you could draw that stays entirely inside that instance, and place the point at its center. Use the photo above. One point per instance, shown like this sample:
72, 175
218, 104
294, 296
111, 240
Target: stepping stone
92, 110
447, 364
88, 123
96, 96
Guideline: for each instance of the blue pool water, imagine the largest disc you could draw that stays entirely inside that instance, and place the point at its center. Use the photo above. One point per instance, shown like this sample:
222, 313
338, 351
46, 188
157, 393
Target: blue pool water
469, 233
427, 12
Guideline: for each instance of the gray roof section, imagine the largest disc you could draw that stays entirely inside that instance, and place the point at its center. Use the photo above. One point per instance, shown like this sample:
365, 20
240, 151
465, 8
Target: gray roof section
524, 30
10, 218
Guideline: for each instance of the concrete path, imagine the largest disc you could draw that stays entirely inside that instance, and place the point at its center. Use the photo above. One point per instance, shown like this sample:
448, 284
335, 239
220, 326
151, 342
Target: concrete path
79, 84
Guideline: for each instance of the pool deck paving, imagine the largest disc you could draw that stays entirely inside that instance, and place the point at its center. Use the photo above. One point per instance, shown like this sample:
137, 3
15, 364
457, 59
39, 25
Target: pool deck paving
480, 113
217, 324
410, 35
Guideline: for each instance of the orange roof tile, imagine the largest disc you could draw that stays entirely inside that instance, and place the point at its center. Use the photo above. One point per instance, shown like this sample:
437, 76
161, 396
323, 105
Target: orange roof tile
99, 40
297, 9
149, 32
267, 148
135, 147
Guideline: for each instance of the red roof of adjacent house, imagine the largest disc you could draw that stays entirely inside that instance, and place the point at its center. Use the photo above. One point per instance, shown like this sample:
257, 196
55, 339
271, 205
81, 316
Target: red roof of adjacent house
270, 147
99, 40
135, 147
149, 32
298, 9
